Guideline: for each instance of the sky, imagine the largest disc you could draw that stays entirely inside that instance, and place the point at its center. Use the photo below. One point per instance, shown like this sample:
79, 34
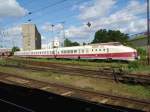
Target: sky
128, 16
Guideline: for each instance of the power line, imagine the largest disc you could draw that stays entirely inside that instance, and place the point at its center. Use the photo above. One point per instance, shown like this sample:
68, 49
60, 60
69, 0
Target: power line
40, 9
77, 3
50, 5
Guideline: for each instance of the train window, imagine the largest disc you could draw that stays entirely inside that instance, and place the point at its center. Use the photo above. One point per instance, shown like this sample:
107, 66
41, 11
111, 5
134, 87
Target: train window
92, 49
82, 51
107, 50
103, 49
87, 51
79, 51
75, 51
71, 51
95, 49
99, 49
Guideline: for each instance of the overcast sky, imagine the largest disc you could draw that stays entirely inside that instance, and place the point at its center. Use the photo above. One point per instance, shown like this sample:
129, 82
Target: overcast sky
128, 16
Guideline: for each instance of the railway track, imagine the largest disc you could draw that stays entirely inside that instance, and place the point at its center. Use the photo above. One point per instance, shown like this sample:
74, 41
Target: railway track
115, 74
72, 91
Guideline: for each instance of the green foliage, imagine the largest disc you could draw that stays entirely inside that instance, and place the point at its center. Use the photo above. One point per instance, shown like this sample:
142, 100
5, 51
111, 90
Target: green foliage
68, 43
102, 36
84, 43
142, 52
133, 65
14, 49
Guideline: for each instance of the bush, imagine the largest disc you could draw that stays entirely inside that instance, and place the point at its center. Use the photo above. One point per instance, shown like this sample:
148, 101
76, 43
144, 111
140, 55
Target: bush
142, 52
133, 65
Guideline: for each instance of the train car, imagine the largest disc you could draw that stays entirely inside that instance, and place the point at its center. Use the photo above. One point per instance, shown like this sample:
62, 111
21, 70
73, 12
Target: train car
111, 51
5, 52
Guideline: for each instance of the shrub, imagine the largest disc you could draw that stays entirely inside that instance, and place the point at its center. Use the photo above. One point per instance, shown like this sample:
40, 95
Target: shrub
133, 65
142, 52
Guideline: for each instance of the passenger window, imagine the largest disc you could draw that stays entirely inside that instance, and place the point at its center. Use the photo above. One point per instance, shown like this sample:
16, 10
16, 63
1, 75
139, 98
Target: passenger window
75, 51
107, 50
82, 51
87, 51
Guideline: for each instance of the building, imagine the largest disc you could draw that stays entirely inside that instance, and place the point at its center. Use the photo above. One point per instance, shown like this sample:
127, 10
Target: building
31, 37
54, 44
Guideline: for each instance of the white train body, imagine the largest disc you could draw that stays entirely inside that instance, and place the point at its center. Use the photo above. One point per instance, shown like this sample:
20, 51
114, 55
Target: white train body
114, 51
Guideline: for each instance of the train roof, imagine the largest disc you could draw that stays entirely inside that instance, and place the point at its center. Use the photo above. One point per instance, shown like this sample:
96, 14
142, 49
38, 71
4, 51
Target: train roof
108, 43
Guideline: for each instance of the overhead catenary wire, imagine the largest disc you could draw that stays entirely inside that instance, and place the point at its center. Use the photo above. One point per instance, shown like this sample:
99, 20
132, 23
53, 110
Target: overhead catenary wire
39, 10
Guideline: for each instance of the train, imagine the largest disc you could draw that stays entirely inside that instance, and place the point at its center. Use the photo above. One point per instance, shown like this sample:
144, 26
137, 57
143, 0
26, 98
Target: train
106, 51
5, 52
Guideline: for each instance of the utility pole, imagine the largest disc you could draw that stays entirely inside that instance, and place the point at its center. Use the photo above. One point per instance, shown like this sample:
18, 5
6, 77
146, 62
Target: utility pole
63, 25
148, 35
52, 25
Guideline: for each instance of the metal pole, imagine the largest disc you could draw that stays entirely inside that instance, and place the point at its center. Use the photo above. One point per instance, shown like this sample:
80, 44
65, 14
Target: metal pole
53, 34
148, 34
63, 23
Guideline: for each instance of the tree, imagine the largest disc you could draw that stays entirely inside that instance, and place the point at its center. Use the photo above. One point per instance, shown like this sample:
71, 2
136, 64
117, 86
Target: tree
14, 49
84, 43
102, 36
68, 43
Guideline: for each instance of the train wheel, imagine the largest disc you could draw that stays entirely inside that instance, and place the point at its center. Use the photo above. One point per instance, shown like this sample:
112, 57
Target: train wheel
78, 57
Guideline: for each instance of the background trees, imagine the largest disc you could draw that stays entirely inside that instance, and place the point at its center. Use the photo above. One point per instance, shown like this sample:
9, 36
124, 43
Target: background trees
14, 49
68, 43
102, 36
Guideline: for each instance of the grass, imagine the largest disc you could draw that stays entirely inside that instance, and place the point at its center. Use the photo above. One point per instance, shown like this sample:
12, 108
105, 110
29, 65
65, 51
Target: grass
131, 67
88, 64
137, 91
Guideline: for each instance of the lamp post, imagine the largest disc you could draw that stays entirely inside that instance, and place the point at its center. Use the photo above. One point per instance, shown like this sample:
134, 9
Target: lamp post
52, 25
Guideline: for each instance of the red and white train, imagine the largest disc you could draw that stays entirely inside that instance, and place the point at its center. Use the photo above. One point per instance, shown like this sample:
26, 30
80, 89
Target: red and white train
5, 52
111, 50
